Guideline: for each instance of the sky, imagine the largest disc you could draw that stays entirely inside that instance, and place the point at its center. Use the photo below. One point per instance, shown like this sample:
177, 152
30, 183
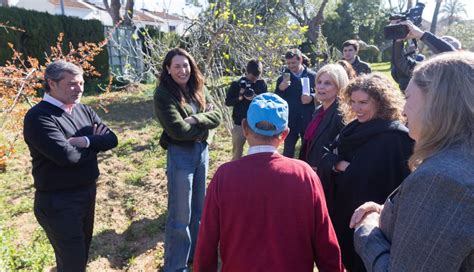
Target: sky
430, 6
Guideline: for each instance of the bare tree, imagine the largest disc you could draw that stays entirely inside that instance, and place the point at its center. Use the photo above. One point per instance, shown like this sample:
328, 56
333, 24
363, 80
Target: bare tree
434, 21
299, 11
4, 3
114, 10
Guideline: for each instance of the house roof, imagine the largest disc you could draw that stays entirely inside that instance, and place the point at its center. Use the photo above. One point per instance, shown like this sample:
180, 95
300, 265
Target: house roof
97, 6
163, 15
70, 3
142, 16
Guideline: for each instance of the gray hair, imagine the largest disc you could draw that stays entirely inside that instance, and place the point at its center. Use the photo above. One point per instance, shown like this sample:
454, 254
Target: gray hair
55, 71
452, 41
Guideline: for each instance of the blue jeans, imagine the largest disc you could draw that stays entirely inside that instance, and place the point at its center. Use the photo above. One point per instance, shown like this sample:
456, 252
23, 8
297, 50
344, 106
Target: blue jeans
186, 171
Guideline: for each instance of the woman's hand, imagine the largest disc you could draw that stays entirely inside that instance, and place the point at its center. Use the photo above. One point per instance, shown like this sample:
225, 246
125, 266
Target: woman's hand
363, 211
341, 166
370, 219
190, 120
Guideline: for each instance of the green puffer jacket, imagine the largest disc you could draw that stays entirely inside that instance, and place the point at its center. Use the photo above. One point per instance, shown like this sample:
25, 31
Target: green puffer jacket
171, 115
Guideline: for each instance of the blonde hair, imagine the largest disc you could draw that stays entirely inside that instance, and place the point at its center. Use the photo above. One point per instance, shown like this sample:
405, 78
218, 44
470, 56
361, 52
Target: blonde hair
447, 83
388, 98
337, 73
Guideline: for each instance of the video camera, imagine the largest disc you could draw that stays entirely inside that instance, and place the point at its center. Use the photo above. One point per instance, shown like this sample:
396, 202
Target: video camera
247, 86
399, 31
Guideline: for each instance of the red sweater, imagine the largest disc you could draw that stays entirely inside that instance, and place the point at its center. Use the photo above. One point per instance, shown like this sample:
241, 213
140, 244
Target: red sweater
266, 212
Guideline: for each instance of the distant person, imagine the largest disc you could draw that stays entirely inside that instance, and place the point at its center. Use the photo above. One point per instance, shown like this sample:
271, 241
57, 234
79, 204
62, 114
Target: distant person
427, 223
327, 122
452, 41
300, 103
239, 95
266, 212
64, 137
186, 115
369, 158
350, 50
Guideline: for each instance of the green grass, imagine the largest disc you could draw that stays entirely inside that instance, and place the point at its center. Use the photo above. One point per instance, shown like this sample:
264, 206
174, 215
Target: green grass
382, 67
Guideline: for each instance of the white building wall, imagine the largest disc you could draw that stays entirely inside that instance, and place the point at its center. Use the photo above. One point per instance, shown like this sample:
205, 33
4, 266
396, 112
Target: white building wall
38, 5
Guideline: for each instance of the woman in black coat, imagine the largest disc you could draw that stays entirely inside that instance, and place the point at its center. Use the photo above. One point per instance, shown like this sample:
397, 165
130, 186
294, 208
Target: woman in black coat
327, 119
369, 158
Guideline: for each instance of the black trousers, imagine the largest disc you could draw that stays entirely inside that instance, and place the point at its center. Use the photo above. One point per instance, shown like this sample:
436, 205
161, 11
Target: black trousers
290, 142
67, 217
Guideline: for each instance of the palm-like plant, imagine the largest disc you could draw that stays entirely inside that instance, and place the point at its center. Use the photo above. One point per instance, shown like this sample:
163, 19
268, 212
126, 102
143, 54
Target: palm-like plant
453, 10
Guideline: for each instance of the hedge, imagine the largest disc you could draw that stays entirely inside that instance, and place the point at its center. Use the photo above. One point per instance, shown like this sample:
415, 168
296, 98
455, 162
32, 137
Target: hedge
41, 32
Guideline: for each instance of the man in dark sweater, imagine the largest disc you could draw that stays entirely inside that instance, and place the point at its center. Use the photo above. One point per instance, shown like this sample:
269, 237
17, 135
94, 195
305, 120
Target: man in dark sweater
64, 137
300, 101
350, 49
239, 95
266, 212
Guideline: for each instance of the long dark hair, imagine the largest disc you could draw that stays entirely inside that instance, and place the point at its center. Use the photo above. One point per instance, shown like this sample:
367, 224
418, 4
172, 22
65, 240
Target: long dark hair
195, 85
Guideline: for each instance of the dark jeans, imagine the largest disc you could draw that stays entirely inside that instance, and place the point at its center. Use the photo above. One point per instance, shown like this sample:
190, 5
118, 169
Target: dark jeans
67, 217
290, 142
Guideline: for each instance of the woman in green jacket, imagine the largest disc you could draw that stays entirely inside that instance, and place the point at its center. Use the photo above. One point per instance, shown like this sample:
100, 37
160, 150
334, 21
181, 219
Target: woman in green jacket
186, 117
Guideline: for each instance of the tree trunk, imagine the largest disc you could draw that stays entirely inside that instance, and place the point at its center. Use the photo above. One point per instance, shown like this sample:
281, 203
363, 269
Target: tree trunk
128, 16
314, 25
113, 10
434, 21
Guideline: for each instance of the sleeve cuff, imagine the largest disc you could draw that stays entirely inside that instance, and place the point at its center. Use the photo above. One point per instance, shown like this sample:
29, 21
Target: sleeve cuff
372, 246
88, 142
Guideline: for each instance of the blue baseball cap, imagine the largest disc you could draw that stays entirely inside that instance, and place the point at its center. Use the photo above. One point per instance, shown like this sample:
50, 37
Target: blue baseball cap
271, 108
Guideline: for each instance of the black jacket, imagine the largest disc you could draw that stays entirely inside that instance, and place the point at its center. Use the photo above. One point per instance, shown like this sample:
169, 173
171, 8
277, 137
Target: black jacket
299, 114
361, 67
378, 152
328, 129
239, 111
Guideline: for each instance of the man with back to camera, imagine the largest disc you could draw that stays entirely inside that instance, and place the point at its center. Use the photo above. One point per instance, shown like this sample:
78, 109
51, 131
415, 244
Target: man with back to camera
300, 102
239, 95
266, 212
64, 137
350, 50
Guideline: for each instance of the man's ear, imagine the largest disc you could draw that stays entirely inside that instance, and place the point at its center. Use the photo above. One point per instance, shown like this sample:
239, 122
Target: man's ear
245, 127
283, 135
51, 84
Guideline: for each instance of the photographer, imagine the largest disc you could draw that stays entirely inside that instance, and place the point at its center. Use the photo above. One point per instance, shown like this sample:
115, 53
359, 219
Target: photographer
300, 98
404, 62
240, 94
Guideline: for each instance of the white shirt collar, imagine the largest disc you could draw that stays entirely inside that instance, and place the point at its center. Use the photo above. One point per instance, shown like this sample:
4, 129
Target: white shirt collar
261, 149
48, 98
